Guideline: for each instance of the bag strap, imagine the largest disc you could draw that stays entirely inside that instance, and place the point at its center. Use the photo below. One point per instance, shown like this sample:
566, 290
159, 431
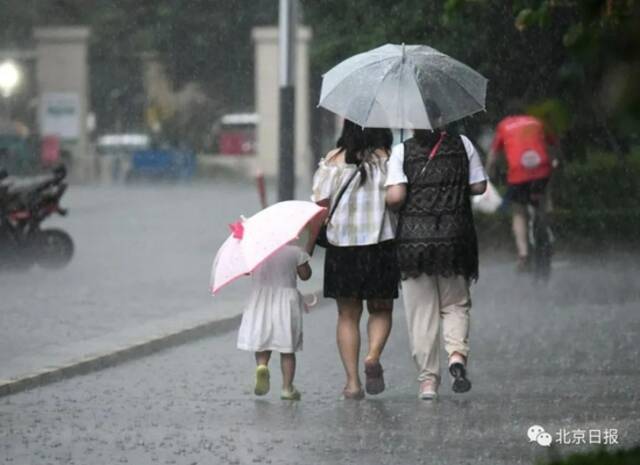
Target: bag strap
435, 148
433, 153
340, 194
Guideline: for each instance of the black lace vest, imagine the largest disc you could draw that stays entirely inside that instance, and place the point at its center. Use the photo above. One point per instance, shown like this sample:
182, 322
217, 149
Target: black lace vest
436, 234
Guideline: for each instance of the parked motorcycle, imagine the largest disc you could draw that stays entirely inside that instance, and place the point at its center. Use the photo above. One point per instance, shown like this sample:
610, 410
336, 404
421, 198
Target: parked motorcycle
24, 204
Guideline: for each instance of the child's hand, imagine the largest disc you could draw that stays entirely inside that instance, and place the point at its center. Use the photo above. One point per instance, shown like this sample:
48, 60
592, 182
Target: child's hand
309, 304
304, 271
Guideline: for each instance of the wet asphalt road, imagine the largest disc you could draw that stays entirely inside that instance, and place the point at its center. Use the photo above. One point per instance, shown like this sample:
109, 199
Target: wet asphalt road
565, 357
143, 254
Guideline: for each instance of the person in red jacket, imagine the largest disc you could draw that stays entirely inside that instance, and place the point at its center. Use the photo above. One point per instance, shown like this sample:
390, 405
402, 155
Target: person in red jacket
524, 140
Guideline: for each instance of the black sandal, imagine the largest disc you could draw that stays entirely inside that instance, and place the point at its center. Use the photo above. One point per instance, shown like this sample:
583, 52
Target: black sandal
374, 383
460, 382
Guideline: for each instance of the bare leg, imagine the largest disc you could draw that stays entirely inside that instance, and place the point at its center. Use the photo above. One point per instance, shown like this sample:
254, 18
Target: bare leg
520, 229
378, 327
288, 366
348, 338
262, 358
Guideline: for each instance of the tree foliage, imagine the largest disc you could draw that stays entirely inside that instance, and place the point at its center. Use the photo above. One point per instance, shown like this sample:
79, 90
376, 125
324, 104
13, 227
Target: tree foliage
603, 43
204, 41
574, 63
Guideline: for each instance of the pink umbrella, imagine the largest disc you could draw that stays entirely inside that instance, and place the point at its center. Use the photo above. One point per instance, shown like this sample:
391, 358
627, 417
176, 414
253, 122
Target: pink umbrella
255, 239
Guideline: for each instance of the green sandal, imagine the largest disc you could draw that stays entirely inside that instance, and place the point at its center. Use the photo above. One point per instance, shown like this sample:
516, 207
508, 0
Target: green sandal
262, 380
290, 394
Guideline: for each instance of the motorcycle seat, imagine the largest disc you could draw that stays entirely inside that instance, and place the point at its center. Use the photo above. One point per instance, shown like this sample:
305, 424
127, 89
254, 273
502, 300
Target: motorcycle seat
24, 186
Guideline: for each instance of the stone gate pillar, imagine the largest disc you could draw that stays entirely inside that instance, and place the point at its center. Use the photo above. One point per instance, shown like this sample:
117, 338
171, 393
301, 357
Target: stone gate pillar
267, 101
63, 91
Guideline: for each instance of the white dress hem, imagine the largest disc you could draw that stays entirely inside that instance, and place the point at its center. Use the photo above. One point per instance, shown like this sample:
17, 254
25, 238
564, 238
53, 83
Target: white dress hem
282, 350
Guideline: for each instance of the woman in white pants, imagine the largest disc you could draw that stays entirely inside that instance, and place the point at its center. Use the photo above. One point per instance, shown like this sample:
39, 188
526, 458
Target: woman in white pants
430, 180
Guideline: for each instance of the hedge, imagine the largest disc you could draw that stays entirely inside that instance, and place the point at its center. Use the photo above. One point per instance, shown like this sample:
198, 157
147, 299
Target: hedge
596, 202
576, 229
602, 182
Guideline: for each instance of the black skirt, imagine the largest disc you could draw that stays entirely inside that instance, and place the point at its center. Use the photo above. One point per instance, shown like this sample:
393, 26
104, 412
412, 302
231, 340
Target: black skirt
361, 272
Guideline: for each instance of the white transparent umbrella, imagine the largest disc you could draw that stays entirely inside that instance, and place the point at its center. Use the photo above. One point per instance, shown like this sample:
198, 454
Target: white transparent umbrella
398, 86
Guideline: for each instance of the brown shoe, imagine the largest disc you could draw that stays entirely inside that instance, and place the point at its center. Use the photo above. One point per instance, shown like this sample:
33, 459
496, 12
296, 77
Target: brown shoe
374, 383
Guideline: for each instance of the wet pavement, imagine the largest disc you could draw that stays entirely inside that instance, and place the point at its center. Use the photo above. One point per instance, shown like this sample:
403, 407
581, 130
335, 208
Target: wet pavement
564, 357
141, 268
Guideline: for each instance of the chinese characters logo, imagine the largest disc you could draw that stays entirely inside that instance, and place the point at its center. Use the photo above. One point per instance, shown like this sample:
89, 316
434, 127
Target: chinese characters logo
607, 436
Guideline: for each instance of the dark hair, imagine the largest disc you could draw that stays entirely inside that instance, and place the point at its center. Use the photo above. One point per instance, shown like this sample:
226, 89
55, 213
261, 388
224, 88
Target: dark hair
426, 137
359, 144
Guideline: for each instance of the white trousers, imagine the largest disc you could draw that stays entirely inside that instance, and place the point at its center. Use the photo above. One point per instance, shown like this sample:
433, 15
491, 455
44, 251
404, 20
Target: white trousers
431, 302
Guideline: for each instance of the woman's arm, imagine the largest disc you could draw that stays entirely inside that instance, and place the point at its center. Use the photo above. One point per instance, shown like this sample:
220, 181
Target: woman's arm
324, 178
395, 196
478, 188
396, 182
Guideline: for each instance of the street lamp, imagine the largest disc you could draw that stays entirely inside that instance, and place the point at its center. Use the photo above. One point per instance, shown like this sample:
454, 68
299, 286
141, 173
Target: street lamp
9, 77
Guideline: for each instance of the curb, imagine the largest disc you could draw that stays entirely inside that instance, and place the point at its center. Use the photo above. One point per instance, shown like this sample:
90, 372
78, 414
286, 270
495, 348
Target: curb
111, 358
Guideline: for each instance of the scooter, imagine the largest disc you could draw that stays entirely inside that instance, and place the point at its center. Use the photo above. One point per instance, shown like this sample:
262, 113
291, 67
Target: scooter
24, 204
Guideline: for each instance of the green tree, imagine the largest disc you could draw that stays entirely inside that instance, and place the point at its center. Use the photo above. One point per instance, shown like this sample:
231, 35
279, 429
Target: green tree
549, 54
204, 41
603, 42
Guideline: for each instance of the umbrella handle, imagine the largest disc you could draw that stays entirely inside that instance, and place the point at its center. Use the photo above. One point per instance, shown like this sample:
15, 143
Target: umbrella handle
312, 303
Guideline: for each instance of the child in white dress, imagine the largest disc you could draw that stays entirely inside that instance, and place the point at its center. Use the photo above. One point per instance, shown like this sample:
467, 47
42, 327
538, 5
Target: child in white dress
273, 318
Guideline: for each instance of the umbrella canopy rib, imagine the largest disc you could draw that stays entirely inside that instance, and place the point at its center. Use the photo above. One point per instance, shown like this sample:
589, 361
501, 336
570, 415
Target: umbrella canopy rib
353, 71
452, 78
355, 66
373, 101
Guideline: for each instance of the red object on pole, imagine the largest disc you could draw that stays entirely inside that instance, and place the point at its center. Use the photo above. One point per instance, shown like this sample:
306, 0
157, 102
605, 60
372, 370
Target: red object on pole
262, 192
50, 150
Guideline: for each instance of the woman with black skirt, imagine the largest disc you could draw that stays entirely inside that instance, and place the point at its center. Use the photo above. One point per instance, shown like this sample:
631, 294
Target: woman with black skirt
360, 263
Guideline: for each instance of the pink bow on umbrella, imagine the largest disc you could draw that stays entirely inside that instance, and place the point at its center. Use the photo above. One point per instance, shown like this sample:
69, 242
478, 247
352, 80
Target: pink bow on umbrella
237, 230
255, 239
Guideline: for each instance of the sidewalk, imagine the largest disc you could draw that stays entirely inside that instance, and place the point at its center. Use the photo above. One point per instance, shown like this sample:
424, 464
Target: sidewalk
563, 358
137, 283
